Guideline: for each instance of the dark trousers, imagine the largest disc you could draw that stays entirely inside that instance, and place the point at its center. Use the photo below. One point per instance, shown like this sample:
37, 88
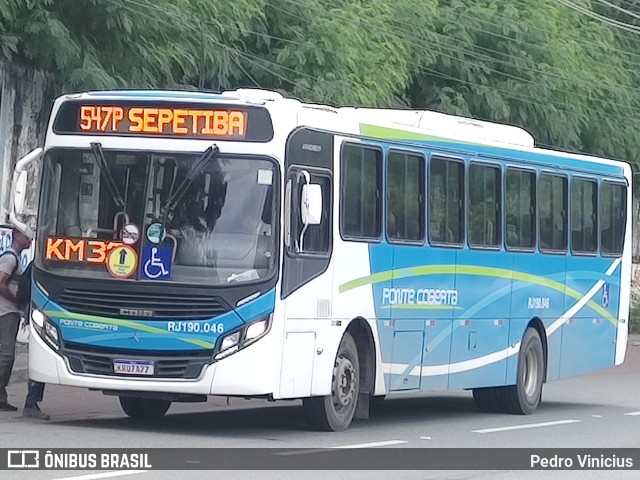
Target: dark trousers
9, 324
35, 393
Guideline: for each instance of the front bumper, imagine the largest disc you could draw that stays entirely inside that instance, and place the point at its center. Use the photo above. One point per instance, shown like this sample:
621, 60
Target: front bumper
245, 373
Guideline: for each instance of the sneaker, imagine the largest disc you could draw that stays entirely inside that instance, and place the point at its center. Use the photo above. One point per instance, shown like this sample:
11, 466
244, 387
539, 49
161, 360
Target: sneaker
35, 412
7, 407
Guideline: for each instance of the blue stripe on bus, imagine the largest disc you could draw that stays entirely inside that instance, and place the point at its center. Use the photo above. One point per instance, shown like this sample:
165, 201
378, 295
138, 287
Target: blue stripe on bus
150, 334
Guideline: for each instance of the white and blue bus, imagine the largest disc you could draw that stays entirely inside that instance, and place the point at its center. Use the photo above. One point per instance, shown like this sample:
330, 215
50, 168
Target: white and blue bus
245, 244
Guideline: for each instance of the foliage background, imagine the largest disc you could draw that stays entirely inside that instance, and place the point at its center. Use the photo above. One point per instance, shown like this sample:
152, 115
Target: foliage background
558, 68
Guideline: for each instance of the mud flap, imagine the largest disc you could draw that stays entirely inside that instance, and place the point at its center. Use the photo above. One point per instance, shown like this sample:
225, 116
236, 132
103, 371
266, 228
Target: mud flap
362, 408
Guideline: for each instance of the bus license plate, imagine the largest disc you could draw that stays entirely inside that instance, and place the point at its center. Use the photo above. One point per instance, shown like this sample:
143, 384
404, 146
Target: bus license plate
133, 367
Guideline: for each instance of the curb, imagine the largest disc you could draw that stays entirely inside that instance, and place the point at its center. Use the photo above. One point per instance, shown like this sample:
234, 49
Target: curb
20, 371
20, 375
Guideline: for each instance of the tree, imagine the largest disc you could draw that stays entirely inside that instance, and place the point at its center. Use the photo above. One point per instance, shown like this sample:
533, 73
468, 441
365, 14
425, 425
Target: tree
539, 65
128, 43
564, 70
347, 52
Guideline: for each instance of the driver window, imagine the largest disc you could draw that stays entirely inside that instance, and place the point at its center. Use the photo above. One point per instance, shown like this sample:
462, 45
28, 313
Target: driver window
316, 239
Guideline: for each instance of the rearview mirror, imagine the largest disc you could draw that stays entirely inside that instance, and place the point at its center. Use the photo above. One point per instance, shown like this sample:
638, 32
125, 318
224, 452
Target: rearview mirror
311, 204
20, 193
24, 191
20, 183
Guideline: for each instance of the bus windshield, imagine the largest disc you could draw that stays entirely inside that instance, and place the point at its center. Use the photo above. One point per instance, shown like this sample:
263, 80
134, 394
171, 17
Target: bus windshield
206, 225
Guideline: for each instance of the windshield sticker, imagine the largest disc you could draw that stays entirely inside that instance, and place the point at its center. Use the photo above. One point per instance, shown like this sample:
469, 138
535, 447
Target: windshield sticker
130, 234
156, 262
155, 233
265, 177
122, 261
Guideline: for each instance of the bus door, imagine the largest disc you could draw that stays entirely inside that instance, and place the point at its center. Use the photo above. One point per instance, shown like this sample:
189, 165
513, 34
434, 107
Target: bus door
308, 244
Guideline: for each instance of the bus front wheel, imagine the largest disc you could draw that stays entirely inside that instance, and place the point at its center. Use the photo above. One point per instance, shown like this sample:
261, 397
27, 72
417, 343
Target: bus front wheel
335, 412
144, 408
524, 397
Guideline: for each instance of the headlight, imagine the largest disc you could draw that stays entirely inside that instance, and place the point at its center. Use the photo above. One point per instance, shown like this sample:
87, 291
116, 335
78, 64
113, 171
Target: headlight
239, 339
51, 332
45, 328
38, 317
256, 329
230, 341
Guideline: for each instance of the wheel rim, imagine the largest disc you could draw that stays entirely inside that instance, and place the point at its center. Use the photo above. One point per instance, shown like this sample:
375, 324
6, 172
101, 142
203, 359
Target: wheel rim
344, 384
531, 368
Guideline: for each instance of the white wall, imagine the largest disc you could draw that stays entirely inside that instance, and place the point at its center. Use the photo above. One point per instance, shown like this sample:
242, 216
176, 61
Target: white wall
26, 96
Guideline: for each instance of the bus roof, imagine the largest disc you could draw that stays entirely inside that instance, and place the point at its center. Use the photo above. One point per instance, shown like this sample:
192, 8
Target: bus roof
412, 126
443, 125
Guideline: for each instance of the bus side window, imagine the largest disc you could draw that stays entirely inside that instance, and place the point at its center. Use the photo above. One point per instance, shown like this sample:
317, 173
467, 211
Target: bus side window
520, 208
446, 201
613, 198
361, 192
584, 219
552, 212
484, 205
405, 196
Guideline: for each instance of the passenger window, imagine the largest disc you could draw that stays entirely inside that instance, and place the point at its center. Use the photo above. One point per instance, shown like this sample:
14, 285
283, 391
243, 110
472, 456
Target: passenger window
484, 205
446, 207
613, 209
552, 208
405, 197
584, 218
520, 209
361, 186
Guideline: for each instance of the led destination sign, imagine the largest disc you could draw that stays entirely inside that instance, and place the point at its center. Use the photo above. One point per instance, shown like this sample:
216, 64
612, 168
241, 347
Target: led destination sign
79, 250
183, 120
171, 121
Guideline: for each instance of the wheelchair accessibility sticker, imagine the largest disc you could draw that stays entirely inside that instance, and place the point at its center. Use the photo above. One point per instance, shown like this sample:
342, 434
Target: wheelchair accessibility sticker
156, 263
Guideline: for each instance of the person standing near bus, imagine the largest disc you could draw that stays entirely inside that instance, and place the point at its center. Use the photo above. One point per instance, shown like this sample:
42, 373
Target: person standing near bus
10, 271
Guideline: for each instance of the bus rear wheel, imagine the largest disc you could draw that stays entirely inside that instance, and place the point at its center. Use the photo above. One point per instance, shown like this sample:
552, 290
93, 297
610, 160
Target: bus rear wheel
524, 397
144, 408
335, 412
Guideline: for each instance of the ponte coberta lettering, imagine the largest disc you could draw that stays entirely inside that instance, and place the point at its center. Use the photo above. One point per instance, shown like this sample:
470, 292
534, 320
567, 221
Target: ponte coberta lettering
419, 296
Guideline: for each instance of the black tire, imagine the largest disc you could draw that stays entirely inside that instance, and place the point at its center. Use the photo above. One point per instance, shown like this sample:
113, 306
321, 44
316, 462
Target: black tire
488, 399
524, 397
144, 408
334, 413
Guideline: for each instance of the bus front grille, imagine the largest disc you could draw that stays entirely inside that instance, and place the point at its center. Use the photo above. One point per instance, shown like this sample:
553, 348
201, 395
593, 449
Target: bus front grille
95, 362
141, 305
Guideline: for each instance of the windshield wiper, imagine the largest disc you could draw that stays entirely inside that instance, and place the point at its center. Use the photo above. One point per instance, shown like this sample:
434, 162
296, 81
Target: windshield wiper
96, 148
208, 155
